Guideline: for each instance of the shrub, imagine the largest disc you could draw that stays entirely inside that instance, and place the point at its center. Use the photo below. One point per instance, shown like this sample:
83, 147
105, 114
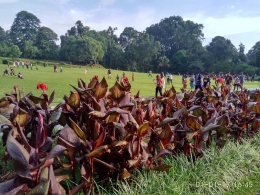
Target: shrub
4, 61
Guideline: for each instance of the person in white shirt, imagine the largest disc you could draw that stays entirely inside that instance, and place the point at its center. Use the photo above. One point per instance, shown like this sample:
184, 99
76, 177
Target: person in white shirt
170, 78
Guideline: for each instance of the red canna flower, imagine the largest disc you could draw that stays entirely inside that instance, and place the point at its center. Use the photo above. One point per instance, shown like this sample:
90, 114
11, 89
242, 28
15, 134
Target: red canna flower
42, 86
95, 77
126, 80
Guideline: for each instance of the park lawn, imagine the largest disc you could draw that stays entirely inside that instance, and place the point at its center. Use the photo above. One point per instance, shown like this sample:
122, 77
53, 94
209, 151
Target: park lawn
60, 81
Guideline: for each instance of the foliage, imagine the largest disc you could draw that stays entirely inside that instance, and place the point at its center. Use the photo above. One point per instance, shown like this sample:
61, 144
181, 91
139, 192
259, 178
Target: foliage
4, 61
222, 49
45, 42
15, 52
24, 28
177, 39
107, 133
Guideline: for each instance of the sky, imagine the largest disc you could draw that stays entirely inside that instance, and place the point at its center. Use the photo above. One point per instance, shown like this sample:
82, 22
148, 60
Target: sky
237, 20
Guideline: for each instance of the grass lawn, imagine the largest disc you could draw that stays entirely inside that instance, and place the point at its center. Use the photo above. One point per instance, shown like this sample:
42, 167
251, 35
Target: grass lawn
60, 81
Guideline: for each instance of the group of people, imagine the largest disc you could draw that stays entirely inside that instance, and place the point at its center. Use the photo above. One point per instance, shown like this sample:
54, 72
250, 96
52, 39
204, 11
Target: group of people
12, 73
199, 81
28, 64
109, 75
55, 67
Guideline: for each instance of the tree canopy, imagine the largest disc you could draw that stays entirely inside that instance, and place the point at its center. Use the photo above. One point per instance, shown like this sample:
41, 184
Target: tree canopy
173, 45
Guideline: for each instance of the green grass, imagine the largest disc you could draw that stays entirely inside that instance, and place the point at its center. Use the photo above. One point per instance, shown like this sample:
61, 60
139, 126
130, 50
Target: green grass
60, 81
235, 170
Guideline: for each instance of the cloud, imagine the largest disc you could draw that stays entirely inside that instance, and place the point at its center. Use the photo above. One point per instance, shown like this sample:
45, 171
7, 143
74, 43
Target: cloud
227, 25
232, 7
8, 1
106, 2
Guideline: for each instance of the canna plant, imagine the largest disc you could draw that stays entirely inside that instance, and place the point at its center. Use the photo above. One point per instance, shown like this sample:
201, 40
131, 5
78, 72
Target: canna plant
107, 133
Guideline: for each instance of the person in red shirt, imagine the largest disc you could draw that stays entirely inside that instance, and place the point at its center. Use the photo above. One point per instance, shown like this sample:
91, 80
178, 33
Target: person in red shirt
219, 80
159, 84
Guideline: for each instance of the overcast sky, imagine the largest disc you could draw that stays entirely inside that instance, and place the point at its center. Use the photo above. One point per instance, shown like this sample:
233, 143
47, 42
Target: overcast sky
237, 20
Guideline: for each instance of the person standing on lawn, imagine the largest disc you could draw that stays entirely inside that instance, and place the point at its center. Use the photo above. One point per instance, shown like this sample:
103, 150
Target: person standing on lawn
206, 81
192, 82
236, 82
228, 80
109, 73
55, 67
159, 85
150, 73
242, 80
198, 82
133, 76
170, 78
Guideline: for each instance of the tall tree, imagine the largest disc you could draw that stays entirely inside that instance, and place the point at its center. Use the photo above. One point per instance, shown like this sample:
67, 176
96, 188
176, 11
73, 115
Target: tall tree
176, 34
2, 34
45, 42
24, 28
241, 53
141, 52
81, 49
222, 49
29, 51
164, 62
251, 55
128, 35
15, 52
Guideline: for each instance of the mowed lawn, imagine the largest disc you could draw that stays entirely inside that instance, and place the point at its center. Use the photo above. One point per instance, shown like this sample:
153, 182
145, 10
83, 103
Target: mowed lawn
60, 81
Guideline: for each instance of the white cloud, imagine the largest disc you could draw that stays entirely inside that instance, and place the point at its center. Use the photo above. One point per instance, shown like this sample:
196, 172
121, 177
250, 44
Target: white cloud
227, 25
232, 7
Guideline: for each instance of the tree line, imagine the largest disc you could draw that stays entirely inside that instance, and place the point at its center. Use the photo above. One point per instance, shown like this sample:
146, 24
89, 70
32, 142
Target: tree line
172, 45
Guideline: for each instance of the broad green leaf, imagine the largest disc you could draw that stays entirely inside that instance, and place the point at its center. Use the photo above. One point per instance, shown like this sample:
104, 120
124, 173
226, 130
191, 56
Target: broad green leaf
162, 167
222, 131
77, 130
97, 151
143, 129
114, 117
22, 118
117, 92
119, 143
40, 189
101, 89
171, 92
166, 135
74, 100
223, 121
199, 112
192, 123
